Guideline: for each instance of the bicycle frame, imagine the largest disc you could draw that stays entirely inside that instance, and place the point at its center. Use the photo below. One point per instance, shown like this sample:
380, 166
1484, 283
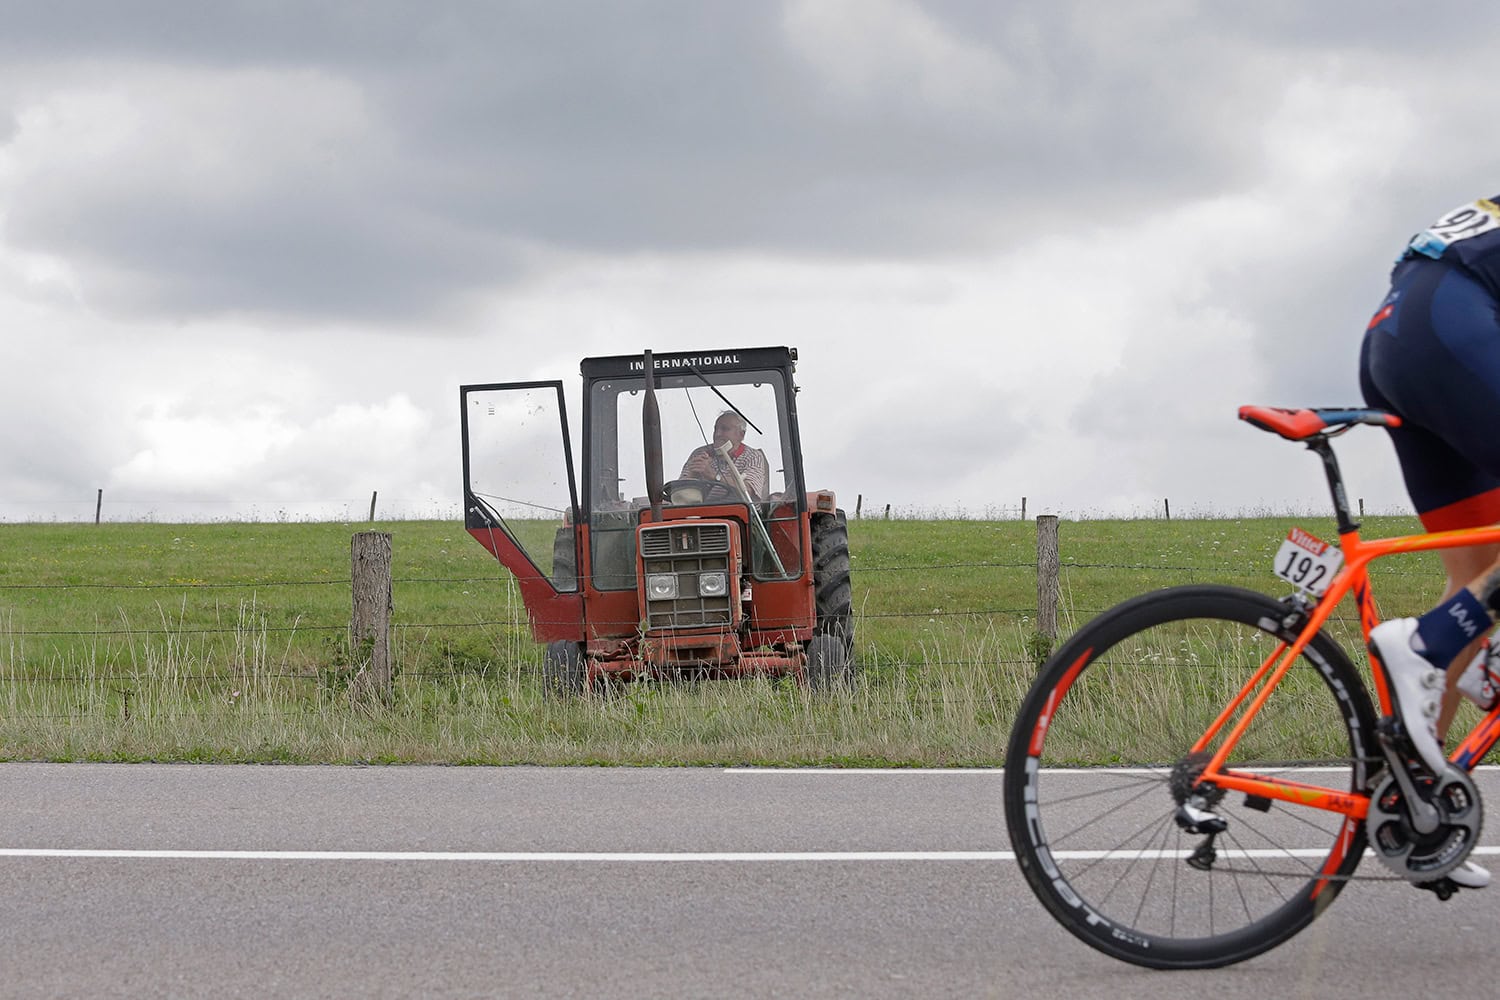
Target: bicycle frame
1183, 849
1352, 577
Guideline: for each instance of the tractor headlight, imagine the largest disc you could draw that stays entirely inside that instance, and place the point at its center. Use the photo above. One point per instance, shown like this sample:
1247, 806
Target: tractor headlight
711, 584
661, 587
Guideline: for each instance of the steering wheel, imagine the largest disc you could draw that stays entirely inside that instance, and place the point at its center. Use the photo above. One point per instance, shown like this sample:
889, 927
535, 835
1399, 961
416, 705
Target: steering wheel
710, 490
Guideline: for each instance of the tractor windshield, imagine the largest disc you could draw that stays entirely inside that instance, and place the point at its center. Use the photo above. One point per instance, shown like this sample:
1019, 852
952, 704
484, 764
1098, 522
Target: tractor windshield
691, 404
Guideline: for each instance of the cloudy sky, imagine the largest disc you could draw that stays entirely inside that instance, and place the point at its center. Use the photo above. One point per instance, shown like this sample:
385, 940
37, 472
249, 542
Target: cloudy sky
249, 251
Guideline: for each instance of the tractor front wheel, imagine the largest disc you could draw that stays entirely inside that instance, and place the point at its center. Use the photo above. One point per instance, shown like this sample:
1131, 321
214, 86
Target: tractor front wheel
565, 559
828, 663
562, 668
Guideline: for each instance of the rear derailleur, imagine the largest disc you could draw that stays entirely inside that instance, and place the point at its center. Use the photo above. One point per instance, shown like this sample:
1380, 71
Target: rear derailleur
1195, 808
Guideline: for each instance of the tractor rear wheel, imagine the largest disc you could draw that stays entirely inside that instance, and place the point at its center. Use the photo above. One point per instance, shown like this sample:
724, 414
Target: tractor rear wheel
562, 668
831, 585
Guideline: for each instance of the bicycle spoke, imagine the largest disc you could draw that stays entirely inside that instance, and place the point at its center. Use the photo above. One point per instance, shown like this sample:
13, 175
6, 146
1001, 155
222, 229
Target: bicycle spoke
1166, 832
1103, 816
1151, 782
1255, 869
1163, 826
1247, 823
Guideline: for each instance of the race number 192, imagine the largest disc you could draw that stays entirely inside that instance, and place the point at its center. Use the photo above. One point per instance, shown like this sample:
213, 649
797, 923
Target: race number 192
1306, 561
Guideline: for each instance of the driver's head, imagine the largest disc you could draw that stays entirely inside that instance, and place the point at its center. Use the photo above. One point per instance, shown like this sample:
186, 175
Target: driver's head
729, 427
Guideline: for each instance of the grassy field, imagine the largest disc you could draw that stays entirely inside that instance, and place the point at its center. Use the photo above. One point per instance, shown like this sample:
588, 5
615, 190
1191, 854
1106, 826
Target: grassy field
227, 642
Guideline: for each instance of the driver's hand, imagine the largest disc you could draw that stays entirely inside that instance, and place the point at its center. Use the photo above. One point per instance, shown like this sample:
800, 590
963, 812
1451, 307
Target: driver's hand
700, 466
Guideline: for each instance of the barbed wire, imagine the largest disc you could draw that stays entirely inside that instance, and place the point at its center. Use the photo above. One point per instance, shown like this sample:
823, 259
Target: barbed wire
258, 628
1079, 614
1216, 570
488, 623
183, 585
267, 584
238, 675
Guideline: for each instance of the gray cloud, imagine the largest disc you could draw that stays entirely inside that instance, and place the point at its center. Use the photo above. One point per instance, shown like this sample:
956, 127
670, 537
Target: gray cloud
929, 194
668, 127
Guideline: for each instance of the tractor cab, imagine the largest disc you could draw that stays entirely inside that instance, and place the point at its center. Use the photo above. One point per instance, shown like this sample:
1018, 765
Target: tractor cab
675, 551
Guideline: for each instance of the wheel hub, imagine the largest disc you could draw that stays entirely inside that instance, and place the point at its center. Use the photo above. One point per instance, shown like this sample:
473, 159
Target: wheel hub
1184, 781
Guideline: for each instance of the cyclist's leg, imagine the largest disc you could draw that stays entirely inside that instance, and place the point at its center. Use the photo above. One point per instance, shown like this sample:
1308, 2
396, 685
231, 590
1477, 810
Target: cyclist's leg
1432, 355
1462, 566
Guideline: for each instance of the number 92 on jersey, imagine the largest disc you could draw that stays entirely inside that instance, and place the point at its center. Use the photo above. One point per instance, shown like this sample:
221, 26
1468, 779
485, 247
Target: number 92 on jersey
1307, 561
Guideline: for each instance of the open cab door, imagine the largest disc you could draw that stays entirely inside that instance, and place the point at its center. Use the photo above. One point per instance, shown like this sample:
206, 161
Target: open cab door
520, 497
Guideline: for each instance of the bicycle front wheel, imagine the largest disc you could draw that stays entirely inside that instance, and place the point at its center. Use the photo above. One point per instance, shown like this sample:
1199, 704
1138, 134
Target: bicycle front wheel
1101, 758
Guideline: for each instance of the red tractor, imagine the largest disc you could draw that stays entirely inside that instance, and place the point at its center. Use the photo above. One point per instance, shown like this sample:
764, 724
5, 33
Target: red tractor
733, 568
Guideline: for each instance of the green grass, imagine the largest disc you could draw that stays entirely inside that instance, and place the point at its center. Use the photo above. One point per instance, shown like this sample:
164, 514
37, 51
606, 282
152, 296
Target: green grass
227, 642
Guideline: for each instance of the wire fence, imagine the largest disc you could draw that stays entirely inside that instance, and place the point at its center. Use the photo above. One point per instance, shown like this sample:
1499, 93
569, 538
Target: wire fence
104, 507
155, 642
1082, 581
111, 508
925, 614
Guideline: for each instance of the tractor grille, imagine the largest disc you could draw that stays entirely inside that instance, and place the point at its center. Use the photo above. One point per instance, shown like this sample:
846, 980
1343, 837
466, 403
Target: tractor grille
687, 551
682, 539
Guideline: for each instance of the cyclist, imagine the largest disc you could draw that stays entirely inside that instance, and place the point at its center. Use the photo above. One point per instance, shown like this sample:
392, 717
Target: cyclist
1432, 355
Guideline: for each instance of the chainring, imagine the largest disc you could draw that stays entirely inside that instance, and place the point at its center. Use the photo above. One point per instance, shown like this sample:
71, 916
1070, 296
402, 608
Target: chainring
1423, 857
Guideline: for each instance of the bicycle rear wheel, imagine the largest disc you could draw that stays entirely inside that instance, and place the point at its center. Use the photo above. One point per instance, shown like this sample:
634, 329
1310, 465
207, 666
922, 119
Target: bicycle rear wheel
1099, 761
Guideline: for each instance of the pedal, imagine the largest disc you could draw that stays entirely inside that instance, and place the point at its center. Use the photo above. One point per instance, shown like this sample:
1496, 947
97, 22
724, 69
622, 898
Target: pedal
1443, 888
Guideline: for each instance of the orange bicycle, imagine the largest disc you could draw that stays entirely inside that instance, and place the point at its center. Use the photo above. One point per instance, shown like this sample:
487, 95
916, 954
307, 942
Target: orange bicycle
1246, 767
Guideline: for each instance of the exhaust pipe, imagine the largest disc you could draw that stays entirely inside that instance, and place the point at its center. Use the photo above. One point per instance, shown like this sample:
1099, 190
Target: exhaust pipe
651, 432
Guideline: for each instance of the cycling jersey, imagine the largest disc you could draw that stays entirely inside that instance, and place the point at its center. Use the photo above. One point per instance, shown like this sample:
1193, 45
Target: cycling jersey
1467, 237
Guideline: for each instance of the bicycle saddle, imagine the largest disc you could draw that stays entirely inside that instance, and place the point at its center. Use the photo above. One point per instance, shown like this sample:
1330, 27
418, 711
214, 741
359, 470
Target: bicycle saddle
1299, 425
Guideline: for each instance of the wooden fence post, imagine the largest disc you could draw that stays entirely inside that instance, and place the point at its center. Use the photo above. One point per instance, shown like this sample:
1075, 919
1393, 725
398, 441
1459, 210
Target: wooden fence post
373, 494
859, 502
1167, 506
99, 505
1048, 587
887, 512
370, 628
1023, 508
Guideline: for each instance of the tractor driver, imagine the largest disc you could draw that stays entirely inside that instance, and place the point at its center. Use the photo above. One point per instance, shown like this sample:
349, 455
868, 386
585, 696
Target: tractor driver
707, 462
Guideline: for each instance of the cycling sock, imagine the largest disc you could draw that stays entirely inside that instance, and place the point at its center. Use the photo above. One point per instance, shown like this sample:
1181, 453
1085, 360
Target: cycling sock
1443, 632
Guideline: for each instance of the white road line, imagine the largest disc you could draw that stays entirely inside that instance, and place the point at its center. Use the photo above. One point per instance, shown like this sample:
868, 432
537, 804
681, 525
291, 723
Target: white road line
813, 771
943, 771
532, 857
1119, 854
509, 856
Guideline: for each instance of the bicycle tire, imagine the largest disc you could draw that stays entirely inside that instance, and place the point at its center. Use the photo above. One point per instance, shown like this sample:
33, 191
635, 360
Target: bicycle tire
1096, 838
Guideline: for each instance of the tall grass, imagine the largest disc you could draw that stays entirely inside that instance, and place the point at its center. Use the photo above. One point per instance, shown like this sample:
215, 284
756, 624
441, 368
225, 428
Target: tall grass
228, 643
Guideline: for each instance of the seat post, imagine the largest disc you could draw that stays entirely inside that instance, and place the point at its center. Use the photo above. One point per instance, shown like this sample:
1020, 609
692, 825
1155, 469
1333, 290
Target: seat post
1319, 443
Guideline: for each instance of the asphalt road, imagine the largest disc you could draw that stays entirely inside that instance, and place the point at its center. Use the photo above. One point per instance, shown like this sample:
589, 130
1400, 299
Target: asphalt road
196, 881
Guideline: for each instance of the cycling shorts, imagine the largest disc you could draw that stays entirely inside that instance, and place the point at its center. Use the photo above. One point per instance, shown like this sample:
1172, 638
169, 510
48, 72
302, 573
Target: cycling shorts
1432, 355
